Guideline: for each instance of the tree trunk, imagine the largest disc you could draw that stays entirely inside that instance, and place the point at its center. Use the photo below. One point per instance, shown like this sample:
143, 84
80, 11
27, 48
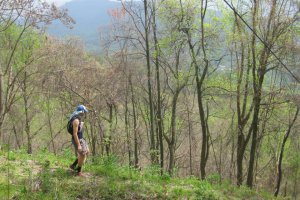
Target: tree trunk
127, 129
199, 81
16, 136
172, 140
159, 115
135, 131
204, 135
50, 124
107, 140
1, 98
27, 120
152, 136
256, 98
190, 137
279, 167
172, 158
255, 125
94, 139
239, 158
241, 100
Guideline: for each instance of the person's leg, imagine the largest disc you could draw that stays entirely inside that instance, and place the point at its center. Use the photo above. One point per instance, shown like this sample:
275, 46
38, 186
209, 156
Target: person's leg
81, 159
82, 155
73, 166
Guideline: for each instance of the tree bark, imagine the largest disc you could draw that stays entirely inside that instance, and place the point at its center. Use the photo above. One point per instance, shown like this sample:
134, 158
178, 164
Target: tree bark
127, 128
135, 131
256, 98
1, 96
172, 141
279, 165
200, 95
152, 136
190, 136
27, 120
243, 114
159, 115
107, 140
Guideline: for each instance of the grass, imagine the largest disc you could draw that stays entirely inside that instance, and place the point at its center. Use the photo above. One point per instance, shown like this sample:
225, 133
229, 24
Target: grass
45, 176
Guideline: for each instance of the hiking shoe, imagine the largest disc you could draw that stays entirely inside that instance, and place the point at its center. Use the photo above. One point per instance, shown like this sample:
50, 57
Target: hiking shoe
80, 174
72, 167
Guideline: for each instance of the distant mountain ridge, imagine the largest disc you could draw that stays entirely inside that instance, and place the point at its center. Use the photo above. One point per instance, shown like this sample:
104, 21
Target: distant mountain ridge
89, 16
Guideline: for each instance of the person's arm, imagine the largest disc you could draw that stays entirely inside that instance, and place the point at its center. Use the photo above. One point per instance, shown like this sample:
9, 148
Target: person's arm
75, 130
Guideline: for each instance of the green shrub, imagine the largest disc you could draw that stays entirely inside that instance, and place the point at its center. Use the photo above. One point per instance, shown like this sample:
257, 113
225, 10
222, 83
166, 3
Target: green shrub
245, 192
11, 156
166, 177
214, 178
204, 191
152, 172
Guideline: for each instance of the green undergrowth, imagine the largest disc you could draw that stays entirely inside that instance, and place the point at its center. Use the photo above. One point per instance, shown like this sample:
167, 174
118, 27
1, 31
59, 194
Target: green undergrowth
46, 176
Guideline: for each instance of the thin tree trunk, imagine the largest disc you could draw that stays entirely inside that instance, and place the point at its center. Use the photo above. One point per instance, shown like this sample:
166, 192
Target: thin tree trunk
241, 138
258, 84
171, 159
27, 120
1, 99
159, 115
127, 127
172, 140
233, 148
199, 81
152, 136
136, 158
94, 139
50, 125
107, 140
190, 139
241, 102
256, 99
279, 165
17, 137
199, 84
201, 112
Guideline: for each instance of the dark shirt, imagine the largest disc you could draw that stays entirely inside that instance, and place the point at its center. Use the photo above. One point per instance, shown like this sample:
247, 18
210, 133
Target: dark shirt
80, 127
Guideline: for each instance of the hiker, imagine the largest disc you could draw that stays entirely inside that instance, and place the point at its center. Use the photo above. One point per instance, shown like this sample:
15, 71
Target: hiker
75, 128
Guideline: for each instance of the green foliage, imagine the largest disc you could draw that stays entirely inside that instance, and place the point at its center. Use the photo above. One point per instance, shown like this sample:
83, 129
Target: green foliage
11, 155
214, 179
152, 172
204, 194
45, 179
106, 180
26, 42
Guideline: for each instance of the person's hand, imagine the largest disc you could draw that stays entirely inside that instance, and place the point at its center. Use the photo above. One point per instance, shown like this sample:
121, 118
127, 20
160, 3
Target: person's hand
79, 148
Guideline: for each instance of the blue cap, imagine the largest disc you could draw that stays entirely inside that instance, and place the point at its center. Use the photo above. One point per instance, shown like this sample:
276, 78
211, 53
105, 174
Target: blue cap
81, 109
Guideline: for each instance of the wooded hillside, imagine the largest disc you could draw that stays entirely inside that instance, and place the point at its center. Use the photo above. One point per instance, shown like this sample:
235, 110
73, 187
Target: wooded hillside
195, 88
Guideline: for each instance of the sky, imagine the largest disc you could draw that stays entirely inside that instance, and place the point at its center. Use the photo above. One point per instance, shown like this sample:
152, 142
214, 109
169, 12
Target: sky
62, 2
58, 2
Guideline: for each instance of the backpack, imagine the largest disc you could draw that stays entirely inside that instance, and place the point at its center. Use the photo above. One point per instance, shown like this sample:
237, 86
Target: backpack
70, 124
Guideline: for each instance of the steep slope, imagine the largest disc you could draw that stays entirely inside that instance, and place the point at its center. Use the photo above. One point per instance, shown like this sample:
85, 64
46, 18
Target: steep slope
46, 176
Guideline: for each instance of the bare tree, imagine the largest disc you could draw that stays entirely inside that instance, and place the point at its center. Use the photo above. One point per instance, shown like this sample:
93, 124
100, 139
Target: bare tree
279, 165
24, 15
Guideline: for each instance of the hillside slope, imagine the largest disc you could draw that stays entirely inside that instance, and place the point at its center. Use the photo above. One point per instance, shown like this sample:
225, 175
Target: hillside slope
46, 176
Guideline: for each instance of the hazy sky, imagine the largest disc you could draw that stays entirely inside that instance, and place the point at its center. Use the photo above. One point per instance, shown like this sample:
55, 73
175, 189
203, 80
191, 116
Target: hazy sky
58, 2
62, 2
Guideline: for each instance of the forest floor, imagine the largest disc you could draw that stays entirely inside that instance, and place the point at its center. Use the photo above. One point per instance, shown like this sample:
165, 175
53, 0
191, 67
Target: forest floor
46, 176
